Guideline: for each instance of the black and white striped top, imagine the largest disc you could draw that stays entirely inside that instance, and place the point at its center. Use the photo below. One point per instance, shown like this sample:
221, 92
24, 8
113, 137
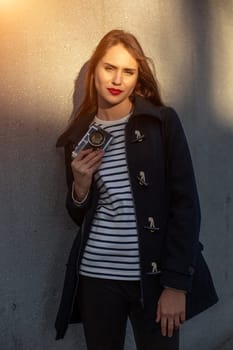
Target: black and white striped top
112, 248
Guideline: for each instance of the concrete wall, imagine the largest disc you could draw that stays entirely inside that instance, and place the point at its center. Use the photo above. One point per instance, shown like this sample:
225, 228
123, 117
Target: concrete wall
43, 45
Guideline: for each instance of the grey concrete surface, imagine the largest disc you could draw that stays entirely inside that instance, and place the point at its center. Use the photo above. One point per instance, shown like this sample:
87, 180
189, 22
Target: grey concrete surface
227, 344
42, 48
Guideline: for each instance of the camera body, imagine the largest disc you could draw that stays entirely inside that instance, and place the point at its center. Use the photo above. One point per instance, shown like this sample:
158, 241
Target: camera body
95, 137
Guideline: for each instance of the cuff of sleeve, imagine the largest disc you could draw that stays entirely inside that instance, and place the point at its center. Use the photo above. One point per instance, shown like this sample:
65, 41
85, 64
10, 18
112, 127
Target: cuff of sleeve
76, 202
176, 280
179, 290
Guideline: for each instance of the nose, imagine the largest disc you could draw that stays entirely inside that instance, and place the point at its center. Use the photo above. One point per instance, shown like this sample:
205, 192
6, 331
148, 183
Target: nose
117, 78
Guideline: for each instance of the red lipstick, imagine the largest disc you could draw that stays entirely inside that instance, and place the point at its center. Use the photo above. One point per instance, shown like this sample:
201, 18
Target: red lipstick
114, 92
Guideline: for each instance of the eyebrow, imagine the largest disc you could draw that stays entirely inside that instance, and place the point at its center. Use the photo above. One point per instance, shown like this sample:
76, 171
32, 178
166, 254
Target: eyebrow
127, 69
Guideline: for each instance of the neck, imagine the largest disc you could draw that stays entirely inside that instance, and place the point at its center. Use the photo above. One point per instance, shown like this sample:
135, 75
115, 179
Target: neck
114, 112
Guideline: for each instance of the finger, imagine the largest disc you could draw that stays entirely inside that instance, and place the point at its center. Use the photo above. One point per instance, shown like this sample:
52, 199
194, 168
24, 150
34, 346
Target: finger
164, 325
170, 327
81, 165
94, 162
83, 153
86, 155
177, 321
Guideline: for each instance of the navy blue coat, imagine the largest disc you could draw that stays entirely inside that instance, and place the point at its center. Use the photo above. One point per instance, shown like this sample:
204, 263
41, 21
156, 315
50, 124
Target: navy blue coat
169, 196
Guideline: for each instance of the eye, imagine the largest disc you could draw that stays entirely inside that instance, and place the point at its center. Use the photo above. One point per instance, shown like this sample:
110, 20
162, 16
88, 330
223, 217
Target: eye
108, 68
129, 72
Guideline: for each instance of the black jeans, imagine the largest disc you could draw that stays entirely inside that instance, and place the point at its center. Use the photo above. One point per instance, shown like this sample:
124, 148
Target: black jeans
105, 306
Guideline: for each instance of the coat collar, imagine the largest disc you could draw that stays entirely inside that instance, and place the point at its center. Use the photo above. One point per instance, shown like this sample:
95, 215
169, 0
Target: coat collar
145, 107
141, 107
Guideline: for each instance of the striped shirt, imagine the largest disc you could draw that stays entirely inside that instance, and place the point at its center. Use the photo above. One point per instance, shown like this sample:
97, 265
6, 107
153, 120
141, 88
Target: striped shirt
112, 248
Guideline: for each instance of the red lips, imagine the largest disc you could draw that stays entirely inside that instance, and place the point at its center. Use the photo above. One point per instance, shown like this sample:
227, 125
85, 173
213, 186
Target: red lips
114, 92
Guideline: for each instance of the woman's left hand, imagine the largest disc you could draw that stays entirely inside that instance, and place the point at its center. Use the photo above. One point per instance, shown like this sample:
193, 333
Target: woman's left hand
171, 310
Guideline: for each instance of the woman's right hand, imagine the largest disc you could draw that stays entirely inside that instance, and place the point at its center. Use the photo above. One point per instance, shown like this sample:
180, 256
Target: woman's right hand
83, 167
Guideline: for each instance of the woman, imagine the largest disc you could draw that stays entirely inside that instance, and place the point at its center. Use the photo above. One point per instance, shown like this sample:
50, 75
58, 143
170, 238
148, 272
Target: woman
137, 254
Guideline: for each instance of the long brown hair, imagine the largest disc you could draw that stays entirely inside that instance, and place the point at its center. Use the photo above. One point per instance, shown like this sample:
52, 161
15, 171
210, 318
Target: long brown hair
147, 85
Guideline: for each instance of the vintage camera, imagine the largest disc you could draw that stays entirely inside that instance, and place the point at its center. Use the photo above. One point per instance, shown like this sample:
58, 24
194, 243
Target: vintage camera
95, 137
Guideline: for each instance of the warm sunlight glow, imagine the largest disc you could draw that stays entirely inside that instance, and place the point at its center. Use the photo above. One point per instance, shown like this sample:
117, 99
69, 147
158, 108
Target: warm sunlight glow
39, 60
5, 3
10, 7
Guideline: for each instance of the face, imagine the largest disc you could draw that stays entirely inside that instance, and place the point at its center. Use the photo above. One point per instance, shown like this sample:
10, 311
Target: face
115, 77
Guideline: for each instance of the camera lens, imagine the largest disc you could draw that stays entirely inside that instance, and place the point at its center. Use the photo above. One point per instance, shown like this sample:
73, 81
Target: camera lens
96, 138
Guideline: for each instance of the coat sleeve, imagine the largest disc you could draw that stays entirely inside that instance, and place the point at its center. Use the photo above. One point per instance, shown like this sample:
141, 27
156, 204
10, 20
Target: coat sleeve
77, 213
181, 242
